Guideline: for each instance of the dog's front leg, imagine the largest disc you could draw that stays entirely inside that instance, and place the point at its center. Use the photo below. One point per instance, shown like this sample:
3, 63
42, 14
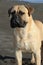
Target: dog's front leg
33, 58
19, 57
38, 57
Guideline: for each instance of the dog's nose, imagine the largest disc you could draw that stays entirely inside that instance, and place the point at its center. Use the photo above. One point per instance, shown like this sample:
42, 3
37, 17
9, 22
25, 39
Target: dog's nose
15, 17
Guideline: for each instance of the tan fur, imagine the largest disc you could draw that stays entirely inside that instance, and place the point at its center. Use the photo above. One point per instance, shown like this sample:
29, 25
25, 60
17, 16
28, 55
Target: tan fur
27, 39
40, 26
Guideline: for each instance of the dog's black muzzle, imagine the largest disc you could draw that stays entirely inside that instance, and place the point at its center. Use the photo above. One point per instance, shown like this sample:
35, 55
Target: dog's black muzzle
17, 22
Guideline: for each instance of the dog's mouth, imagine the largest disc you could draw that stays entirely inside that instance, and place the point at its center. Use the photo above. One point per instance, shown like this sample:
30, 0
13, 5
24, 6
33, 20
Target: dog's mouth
17, 23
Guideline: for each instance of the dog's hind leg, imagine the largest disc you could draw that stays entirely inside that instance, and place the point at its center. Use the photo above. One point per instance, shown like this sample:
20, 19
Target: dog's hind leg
19, 57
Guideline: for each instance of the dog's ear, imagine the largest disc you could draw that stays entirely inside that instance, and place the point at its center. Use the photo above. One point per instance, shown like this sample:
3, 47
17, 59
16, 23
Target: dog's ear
10, 11
30, 9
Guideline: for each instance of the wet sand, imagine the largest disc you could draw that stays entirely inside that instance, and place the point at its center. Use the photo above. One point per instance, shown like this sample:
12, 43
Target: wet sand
6, 46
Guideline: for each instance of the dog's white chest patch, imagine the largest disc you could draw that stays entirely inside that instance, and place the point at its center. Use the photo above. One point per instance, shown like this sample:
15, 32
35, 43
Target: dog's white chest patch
23, 41
26, 46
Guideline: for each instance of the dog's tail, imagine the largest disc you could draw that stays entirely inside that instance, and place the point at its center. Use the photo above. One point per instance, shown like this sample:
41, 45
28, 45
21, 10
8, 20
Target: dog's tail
40, 26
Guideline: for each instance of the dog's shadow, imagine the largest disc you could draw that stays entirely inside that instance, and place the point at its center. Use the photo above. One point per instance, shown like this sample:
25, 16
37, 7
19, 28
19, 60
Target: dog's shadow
26, 61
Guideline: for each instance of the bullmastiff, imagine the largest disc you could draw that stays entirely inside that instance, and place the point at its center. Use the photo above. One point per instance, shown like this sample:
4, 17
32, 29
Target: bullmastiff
27, 32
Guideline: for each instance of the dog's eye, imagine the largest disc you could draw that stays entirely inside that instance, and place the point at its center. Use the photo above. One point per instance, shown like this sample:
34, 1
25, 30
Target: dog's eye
21, 13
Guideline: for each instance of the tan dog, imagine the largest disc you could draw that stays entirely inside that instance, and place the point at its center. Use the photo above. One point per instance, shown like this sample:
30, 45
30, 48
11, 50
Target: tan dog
27, 33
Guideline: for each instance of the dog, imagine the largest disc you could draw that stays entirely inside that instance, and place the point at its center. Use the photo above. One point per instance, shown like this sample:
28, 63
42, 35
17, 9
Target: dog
27, 32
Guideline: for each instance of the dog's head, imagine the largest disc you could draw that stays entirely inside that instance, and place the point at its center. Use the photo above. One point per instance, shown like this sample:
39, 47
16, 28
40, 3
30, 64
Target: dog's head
20, 15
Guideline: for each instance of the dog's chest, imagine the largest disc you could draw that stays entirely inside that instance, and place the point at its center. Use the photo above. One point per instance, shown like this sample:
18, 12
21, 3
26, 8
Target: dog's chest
23, 40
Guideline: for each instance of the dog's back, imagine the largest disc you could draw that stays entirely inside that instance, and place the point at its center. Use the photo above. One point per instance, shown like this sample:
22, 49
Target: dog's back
40, 26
